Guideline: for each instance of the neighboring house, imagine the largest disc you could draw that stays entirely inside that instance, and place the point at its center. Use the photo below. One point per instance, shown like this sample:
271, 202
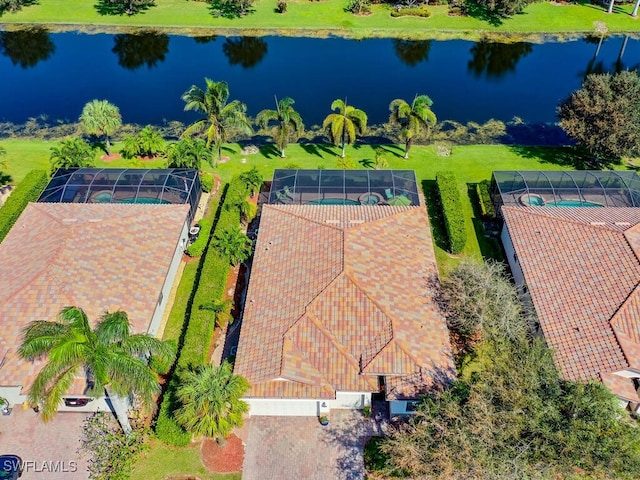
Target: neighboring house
339, 304
98, 256
581, 267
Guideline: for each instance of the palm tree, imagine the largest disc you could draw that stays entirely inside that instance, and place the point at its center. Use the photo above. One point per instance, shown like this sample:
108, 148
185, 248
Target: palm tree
210, 398
412, 119
187, 153
343, 126
289, 123
99, 117
70, 153
219, 116
148, 142
113, 360
235, 245
252, 180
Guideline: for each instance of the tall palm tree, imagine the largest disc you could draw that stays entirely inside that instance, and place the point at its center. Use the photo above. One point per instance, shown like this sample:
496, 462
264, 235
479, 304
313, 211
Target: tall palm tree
235, 245
113, 360
210, 398
343, 126
412, 119
289, 123
99, 117
219, 116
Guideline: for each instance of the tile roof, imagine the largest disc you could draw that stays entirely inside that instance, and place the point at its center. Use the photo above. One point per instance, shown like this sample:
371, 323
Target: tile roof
339, 295
582, 268
96, 256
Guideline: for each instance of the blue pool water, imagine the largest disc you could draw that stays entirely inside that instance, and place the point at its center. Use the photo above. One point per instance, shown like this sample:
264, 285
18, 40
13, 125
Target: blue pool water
334, 201
572, 203
146, 200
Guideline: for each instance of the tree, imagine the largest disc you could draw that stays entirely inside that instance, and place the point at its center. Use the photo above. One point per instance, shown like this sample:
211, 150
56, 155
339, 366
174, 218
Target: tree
496, 10
289, 124
230, 8
603, 116
219, 117
71, 153
343, 126
234, 244
113, 360
245, 51
137, 49
252, 180
146, 143
27, 47
210, 401
99, 117
187, 153
120, 7
11, 5
413, 119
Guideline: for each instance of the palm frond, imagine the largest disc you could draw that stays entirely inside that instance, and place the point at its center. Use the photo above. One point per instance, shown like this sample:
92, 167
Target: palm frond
39, 337
132, 375
113, 327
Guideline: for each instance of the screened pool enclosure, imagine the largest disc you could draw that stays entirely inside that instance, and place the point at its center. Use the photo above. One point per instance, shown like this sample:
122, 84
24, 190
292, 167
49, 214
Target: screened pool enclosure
344, 187
576, 188
125, 185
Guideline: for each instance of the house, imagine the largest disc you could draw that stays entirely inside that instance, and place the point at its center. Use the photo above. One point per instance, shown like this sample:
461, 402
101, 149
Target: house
572, 240
98, 256
339, 306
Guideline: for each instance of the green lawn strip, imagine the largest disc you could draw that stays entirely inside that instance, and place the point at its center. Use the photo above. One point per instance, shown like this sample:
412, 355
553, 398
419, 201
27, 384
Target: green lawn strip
324, 18
162, 460
175, 323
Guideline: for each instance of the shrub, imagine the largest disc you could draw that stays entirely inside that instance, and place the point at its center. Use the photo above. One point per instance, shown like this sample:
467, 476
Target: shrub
197, 248
484, 199
359, 7
206, 182
282, 6
27, 191
148, 142
411, 12
160, 365
452, 209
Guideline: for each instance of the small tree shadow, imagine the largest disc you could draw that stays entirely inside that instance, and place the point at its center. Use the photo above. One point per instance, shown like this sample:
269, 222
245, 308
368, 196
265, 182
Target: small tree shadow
105, 7
564, 156
481, 12
317, 149
489, 245
394, 150
436, 217
270, 150
367, 162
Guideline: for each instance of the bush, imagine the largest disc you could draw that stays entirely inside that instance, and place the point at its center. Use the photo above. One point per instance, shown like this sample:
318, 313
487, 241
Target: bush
452, 209
411, 12
484, 199
282, 6
27, 191
359, 7
196, 249
206, 182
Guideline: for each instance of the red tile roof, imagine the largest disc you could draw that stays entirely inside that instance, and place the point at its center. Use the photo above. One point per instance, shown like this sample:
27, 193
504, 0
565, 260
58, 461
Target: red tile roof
339, 295
98, 257
582, 268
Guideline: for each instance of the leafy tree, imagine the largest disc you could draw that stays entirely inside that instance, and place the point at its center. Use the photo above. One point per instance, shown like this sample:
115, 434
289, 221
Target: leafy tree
496, 10
111, 453
413, 119
412, 52
13, 5
187, 153
289, 124
603, 116
120, 7
234, 244
27, 47
230, 8
210, 398
148, 142
343, 126
71, 153
5, 178
244, 51
137, 49
219, 117
252, 179
99, 117
495, 59
113, 359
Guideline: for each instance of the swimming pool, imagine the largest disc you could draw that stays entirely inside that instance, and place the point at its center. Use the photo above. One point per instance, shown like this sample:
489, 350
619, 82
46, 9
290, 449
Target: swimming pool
334, 201
572, 203
145, 200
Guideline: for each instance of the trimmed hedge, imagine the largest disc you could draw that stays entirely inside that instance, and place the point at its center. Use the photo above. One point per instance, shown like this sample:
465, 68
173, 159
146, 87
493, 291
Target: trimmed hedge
27, 191
452, 209
196, 249
206, 182
484, 199
411, 12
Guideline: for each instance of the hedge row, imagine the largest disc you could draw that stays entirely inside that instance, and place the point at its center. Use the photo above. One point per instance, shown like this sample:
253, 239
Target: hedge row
452, 209
484, 199
27, 191
214, 271
196, 249
411, 12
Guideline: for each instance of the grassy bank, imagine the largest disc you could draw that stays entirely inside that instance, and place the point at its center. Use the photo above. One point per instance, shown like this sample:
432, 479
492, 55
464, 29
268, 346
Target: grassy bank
306, 18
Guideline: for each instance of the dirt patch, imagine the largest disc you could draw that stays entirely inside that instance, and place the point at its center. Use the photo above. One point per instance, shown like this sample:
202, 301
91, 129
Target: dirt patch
222, 458
110, 158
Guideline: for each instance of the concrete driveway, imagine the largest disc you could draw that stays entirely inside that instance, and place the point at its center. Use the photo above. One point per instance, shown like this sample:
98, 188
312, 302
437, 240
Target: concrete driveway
293, 448
49, 451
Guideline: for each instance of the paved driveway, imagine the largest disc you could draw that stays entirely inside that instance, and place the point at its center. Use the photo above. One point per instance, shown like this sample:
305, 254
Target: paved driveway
295, 448
49, 451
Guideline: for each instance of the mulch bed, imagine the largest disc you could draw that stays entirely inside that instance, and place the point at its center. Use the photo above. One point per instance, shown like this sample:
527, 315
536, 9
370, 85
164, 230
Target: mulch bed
226, 458
110, 158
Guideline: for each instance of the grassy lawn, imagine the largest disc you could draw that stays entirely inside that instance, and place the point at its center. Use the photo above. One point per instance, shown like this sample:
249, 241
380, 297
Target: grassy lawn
306, 18
161, 461
173, 329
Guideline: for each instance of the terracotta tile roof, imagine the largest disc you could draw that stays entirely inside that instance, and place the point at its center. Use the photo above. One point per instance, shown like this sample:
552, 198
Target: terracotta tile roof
99, 257
620, 386
337, 296
582, 270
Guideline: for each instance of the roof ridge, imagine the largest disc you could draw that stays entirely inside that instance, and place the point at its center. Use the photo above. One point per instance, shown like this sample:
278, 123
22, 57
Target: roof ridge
614, 321
539, 213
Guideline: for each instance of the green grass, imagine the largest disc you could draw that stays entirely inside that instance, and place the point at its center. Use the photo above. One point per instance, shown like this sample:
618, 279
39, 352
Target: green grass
175, 323
161, 461
306, 18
